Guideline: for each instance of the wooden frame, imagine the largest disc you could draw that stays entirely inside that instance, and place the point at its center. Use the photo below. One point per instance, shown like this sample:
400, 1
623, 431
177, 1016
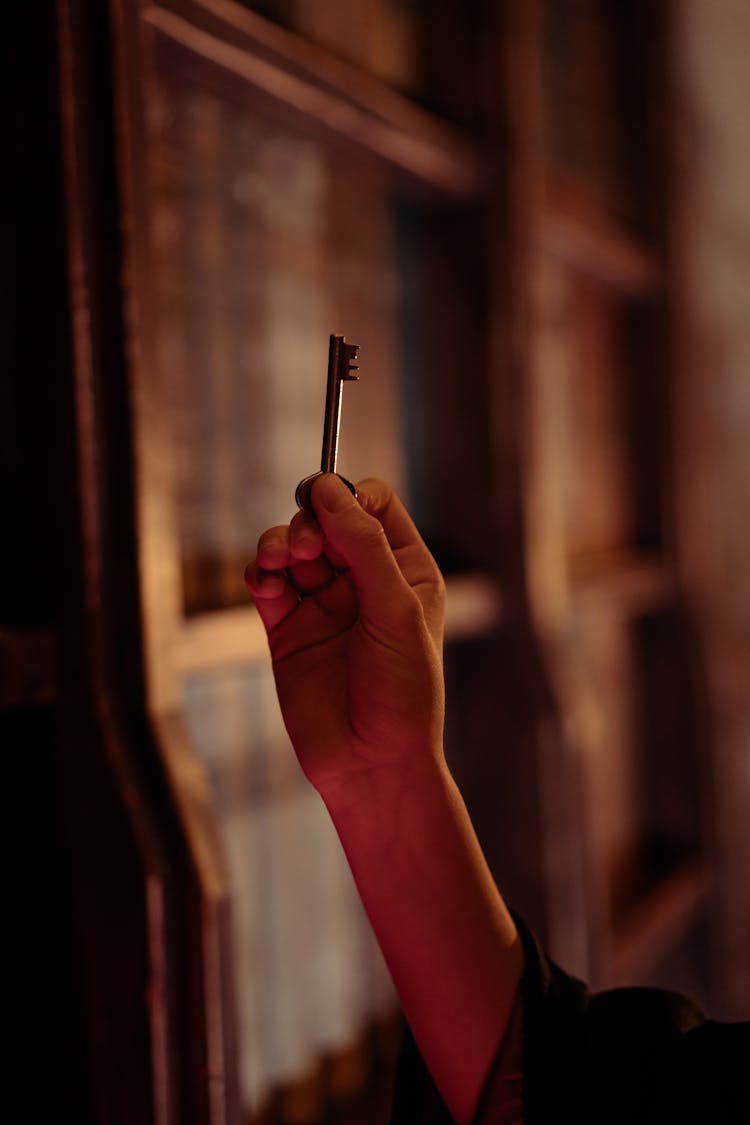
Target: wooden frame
537, 587
326, 95
307, 85
304, 86
569, 235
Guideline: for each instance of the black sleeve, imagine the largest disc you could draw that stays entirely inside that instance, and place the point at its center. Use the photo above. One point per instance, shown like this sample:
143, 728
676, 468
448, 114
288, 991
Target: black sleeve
416, 1100
632, 1056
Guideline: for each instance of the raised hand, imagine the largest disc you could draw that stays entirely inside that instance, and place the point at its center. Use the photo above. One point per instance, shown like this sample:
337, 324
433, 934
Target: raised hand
353, 608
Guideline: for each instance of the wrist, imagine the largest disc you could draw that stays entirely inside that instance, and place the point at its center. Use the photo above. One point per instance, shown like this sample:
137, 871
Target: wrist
377, 793
390, 819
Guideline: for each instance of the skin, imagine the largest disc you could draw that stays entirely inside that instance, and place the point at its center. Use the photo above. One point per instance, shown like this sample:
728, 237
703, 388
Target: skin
352, 602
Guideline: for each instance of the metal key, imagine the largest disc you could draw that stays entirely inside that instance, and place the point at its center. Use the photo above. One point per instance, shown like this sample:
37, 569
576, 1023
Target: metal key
341, 368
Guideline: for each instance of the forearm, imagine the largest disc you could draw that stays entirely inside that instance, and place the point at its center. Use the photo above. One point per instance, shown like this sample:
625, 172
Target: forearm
448, 939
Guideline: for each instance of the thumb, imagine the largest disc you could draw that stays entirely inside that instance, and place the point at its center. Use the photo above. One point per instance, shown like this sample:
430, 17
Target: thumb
360, 540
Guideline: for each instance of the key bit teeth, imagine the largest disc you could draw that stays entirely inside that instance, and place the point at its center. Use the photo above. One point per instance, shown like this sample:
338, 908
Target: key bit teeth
351, 366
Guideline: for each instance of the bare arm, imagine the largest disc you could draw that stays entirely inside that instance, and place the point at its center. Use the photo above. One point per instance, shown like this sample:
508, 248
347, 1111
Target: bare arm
353, 606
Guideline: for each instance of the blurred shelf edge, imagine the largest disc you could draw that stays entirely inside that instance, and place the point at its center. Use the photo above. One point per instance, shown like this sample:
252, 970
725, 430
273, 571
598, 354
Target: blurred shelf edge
210, 641
571, 227
658, 922
214, 640
473, 606
324, 91
28, 668
631, 581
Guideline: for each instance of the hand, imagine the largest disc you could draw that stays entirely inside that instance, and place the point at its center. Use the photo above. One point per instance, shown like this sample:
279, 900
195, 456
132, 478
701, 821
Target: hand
353, 609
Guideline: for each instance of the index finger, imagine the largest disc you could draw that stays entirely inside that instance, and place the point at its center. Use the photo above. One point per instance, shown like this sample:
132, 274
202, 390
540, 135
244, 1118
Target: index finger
414, 560
378, 499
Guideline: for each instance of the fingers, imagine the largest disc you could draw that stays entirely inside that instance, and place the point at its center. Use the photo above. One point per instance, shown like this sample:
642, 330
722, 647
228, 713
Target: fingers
282, 546
360, 540
298, 549
303, 539
374, 538
272, 592
306, 538
414, 559
289, 562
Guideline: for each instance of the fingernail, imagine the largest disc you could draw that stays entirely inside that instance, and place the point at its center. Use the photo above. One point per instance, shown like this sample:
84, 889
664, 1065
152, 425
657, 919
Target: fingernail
332, 494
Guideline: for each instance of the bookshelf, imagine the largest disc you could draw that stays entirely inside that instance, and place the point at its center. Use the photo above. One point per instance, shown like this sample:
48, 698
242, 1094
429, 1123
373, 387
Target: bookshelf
482, 211
275, 190
598, 491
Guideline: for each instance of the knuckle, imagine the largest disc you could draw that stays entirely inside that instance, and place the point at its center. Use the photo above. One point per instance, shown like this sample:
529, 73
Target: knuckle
374, 488
369, 533
303, 522
274, 538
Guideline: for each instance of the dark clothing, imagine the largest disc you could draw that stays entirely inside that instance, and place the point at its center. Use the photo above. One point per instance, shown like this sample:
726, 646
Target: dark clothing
641, 1056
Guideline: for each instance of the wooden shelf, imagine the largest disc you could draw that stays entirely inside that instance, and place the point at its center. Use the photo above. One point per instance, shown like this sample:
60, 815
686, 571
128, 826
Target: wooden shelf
626, 580
322, 93
210, 641
658, 923
214, 640
572, 228
473, 606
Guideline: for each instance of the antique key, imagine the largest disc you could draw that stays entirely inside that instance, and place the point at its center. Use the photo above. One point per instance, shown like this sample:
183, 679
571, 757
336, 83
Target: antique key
341, 368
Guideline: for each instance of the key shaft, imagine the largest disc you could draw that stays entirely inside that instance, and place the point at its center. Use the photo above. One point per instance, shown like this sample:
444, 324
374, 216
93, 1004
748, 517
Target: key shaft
341, 368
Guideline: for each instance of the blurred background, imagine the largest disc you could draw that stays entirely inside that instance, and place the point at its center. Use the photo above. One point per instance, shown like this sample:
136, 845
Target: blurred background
533, 218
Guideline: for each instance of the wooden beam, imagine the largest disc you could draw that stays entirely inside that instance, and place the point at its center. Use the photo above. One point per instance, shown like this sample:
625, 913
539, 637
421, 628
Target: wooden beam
323, 93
